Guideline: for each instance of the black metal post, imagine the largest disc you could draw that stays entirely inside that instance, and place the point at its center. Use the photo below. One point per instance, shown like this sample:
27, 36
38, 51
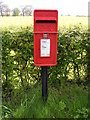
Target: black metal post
44, 82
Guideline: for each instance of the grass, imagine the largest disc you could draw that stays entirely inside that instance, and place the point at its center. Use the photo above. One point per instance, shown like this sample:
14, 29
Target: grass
23, 21
67, 102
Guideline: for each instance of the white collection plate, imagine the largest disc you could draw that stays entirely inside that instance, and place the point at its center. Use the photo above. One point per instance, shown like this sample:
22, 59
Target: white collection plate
45, 47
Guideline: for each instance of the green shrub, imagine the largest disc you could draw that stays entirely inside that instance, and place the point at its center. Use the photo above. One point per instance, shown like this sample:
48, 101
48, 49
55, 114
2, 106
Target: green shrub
18, 58
71, 56
19, 73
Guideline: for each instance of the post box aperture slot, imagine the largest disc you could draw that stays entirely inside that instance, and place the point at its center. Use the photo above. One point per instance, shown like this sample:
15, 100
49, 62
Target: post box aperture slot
45, 21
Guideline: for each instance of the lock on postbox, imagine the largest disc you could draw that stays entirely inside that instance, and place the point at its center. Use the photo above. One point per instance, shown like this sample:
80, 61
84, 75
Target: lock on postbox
45, 37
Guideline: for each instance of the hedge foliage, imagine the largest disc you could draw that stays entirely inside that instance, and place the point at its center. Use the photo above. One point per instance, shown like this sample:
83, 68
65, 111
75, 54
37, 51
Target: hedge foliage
18, 68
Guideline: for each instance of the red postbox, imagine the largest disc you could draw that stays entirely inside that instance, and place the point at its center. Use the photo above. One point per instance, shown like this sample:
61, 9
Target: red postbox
45, 37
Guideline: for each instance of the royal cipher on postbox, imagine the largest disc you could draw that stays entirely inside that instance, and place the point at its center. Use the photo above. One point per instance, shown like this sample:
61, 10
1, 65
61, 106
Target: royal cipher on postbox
45, 37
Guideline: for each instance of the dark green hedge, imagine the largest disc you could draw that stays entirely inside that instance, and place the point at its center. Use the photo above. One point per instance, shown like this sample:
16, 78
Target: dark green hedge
18, 68
72, 56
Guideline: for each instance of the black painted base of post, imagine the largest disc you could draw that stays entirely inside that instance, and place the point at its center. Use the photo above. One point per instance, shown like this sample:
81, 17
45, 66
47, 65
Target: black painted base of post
44, 77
